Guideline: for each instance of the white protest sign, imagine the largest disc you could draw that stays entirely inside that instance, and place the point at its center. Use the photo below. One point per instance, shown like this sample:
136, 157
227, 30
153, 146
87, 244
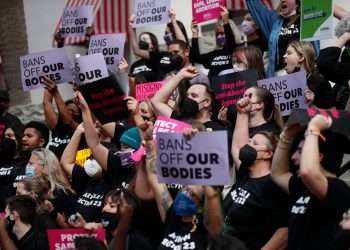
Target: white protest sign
149, 12
53, 64
90, 68
75, 20
288, 91
111, 46
203, 160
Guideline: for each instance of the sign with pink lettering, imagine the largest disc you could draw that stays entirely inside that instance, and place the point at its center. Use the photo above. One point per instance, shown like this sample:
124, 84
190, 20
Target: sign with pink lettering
147, 90
64, 238
205, 10
203, 160
165, 124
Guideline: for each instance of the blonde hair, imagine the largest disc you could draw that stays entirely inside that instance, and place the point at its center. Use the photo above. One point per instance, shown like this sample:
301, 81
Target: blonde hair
40, 185
306, 50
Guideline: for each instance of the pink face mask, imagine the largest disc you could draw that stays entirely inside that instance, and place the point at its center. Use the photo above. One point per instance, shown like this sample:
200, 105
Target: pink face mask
248, 27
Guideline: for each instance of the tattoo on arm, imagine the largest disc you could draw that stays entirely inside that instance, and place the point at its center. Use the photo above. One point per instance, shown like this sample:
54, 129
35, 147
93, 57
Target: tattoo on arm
166, 199
150, 157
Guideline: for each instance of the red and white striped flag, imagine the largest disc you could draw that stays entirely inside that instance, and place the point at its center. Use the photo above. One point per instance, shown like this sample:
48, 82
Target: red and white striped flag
241, 5
110, 16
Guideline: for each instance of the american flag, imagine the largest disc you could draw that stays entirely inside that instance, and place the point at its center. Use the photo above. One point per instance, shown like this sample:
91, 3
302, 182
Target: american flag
241, 5
110, 16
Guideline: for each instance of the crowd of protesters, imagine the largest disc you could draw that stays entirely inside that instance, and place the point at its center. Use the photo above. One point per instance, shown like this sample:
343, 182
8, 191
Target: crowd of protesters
71, 171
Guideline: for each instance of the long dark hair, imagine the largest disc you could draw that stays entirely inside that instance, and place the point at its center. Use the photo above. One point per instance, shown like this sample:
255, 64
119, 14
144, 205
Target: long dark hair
182, 28
154, 40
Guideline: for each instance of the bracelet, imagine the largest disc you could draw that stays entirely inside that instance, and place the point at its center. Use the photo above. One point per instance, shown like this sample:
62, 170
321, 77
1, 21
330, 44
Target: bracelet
284, 140
314, 132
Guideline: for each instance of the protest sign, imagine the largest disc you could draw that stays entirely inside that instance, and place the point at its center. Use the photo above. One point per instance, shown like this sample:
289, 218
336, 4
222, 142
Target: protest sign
147, 90
90, 68
165, 124
111, 46
340, 118
106, 99
231, 87
205, 10
64, 238
53, 64
150, 12
316, 20
287, 90
75, 20
203, 160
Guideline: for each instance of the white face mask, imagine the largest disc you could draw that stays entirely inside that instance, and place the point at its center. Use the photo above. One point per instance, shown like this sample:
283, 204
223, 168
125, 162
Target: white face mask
91, 167
237, 68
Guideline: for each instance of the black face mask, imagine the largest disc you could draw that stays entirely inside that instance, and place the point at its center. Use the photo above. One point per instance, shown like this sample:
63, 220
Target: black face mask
177, 62
109, 221
143, 45
7, 149
296, 69
189, 108
247, 155
145, 118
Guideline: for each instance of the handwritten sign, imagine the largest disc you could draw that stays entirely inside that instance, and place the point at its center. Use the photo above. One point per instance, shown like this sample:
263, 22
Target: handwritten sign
64, 238
205, 10
203, 160
287, 90
150, 12
53, 64
147, 90
75, 20
111, 46
90, 68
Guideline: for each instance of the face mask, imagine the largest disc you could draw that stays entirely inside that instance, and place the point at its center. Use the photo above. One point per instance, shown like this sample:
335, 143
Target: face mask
8, 149
168, 38
247, 155
91, 167
220, 40
189, 108
109, 221
125, 157
143, 45
177, 62
184, 205
248, 27
29, 171
237, 68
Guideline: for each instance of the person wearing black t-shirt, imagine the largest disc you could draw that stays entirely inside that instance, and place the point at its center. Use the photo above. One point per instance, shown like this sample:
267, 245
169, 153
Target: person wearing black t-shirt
221, 58
255, 208
318, 199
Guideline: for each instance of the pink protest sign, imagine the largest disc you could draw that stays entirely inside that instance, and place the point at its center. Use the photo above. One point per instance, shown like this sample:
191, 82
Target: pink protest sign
205, 10
148, 89
64, 238
165, 124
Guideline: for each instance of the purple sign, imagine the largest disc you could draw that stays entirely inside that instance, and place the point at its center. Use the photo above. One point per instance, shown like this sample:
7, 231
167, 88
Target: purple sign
53, 64
287, 90
203, 160
150, 12
75, 20
111, 46
90, 68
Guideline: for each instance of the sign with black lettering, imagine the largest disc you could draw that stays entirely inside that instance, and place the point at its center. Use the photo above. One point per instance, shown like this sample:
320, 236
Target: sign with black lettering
150, 12
203, 160
231, 87
111, 46
106, 99
340, 118
90, 68
288, 91
53, 64
75, 20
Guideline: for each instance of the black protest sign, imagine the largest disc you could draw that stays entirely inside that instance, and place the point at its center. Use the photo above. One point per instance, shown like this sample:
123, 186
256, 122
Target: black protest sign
231, 87
340, 118
106, 99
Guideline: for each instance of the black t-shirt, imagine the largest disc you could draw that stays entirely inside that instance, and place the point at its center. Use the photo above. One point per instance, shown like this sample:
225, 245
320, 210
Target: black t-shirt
64, 202
32, 240
254, 209
288, 33
268, 126
160, 63
313, 223
178, 235
60, 138
140, 68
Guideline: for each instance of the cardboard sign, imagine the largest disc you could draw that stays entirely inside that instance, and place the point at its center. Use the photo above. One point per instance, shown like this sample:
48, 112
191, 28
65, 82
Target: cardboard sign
150, 12
203, 160
165, 124
106, 99
340, 124
288, 91
231, 87
90, 68
111, 46
75, 20
64, 238
147, 90
316, 20
53, 64
205, 10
